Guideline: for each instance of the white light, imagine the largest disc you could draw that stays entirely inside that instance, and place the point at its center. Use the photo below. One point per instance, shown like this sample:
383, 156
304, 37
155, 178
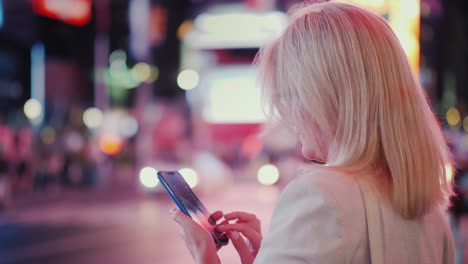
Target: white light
449, 172
117, 55
407, 39
118, 65
268, 174
235, 30
410, 8
228, 88
63, 10
188, 79
241, 23
32, 109
148, 177
128, 126
92, 117
190, 176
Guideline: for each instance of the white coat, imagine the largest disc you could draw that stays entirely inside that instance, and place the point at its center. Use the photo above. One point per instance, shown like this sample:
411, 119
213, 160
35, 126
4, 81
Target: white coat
321, 219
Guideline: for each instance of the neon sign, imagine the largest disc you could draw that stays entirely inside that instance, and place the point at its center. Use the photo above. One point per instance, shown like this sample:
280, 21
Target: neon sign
74, 12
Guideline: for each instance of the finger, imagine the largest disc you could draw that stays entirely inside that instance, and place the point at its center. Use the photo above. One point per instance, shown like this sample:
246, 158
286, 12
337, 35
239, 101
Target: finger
217, 215
239, 227
241, 216
253, 236
225, 222
241, 247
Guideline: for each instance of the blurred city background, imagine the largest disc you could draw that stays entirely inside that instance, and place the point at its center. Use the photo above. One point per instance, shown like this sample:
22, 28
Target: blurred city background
96, 96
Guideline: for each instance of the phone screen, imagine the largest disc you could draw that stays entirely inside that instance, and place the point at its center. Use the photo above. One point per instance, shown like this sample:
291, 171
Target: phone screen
189, 203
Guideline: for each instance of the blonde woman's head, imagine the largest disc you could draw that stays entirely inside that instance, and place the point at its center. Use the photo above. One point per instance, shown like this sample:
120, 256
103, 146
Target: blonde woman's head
339, 77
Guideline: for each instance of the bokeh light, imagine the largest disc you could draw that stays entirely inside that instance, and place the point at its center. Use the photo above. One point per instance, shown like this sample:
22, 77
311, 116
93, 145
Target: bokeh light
220, 30
141, 72
190, 176
117, 55
188, 79
453, 116
32, 109
154, 75
118, 69
268, 174
449, 172
148, 177
410, 9
48, 135
110, 144
74, 141
128, 126
251, 146
120, 76
425, 9
92, 117
227, 88
185, 27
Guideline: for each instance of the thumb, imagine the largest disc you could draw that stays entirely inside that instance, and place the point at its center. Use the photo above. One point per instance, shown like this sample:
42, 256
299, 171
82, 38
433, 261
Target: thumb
241, 247
179, 216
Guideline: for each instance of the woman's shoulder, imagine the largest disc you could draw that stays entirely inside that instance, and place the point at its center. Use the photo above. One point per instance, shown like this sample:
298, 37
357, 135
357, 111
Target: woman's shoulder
329, 190
337, 191
333, 185
323, 205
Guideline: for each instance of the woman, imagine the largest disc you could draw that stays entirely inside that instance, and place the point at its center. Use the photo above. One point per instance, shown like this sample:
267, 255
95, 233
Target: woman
339, 77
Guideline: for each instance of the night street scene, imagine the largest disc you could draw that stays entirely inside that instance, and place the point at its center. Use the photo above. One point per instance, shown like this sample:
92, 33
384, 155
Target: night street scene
98, 96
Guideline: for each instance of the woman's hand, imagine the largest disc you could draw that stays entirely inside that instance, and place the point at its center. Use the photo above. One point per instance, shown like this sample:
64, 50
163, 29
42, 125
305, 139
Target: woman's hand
249, 226
197, 239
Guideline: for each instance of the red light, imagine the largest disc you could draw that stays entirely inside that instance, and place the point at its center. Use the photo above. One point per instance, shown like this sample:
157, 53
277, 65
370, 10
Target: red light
110, 144
252, 146
74, 12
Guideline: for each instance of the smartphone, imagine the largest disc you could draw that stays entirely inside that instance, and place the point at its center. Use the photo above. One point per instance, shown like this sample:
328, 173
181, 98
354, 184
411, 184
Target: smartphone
188, 202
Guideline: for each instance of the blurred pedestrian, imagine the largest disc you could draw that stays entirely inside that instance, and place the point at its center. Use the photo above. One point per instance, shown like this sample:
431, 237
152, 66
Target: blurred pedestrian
7, 155
4, 182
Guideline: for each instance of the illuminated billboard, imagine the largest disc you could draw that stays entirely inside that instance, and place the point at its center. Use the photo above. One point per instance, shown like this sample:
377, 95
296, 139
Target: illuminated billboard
74, 12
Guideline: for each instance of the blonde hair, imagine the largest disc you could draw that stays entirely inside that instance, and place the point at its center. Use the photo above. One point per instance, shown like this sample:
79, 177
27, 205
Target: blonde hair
339, 74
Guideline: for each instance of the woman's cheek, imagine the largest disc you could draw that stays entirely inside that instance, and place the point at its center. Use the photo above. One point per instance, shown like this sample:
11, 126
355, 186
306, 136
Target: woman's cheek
314, 153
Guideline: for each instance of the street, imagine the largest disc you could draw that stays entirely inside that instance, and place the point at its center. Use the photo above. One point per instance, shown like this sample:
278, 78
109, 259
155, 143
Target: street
104, 227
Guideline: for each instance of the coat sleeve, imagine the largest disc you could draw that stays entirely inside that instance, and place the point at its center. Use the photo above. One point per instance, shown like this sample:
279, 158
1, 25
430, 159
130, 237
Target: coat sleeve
304, 228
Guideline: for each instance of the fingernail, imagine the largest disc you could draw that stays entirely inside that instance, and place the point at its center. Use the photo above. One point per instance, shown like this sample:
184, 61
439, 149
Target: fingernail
234, 235
173, 211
